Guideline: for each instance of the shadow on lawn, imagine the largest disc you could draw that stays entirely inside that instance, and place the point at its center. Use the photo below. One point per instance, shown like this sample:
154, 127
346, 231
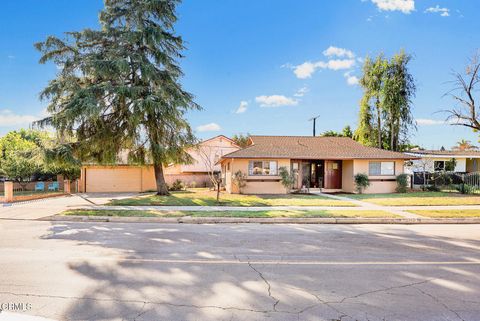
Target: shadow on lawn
218, 272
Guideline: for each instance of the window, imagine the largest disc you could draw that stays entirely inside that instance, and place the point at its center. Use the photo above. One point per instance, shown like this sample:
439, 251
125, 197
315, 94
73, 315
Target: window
381, 168
262, 168
439, 165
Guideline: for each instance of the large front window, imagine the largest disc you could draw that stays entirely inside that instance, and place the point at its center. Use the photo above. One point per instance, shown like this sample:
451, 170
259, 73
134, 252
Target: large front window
381, 168
262, 168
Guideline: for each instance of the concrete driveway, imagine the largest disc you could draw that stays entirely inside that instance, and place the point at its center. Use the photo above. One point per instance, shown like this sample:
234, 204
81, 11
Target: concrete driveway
108, 271
36, 209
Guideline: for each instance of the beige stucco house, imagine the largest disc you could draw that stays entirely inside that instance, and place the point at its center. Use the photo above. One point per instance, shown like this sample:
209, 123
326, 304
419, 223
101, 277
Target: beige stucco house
323, 163
130, 178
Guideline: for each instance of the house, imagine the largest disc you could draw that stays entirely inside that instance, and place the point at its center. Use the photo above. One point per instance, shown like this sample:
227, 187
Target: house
441, 160
123, 177
324, 163
434, 161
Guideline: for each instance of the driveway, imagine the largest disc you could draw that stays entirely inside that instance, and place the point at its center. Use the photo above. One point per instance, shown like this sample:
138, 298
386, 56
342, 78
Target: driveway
105, 271
36, 209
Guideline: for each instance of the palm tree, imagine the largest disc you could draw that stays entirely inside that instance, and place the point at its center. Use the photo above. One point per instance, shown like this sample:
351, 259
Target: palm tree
463, 145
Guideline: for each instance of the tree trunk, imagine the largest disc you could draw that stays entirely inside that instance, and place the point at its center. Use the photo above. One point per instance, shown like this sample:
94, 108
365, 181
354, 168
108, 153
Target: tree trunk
379, 124
162, 188
218, 191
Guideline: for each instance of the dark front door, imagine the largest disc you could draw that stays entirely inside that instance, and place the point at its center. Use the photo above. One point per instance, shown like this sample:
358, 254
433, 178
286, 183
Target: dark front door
333, 174
316, 174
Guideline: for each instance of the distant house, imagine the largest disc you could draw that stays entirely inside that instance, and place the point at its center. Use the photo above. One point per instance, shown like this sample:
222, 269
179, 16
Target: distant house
328, 164
441, 160
130, 178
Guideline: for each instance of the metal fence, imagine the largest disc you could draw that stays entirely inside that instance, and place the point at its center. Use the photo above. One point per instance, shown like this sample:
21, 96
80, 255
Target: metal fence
464, 182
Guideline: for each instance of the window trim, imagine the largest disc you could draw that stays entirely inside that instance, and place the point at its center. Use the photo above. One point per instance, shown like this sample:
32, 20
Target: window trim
250, 167
369, 171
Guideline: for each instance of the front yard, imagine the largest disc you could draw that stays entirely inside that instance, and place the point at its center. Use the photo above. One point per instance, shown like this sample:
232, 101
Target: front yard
205, 197
264, 214
418, 199
447, 213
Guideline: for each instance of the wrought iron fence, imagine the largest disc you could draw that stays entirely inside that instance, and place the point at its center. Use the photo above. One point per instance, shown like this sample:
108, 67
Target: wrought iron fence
467, 183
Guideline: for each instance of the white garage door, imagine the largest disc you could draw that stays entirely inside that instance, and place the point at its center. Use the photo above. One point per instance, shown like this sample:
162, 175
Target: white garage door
113, 179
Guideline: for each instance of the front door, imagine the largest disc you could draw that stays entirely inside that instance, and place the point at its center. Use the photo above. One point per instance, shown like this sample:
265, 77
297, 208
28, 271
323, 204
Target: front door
333, 174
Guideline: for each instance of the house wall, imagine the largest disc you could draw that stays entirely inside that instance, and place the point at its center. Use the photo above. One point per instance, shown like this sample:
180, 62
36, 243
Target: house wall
427, 164
378, 184
255, 184
348, 184
205, 156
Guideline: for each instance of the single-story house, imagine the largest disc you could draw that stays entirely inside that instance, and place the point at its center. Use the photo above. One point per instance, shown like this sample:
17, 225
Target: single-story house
324, 163
123, 177
467, 161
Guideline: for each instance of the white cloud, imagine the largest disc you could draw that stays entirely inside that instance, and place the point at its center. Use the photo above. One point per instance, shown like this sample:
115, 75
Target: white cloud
242, 108
405, 6
211, 127
444, 12
338, 52
301, 92
431, 122
307, 69
275, 101
351, 79
8, 118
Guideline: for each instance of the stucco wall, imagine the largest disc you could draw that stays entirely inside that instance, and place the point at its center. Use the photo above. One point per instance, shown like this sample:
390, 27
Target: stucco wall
379, 184
427, 164
255, 184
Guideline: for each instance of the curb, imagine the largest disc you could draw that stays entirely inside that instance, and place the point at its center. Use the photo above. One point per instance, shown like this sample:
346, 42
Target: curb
242, 220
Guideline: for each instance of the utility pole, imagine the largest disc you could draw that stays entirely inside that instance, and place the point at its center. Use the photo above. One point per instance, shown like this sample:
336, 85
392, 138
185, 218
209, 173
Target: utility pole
314, 123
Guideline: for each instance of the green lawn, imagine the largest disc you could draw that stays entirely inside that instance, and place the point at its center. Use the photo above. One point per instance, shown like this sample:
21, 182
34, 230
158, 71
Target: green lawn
204, 197
418, 198
265, 214
447, 213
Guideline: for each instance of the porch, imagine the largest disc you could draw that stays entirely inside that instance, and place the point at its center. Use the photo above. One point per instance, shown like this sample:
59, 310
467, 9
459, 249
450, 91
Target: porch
317, 175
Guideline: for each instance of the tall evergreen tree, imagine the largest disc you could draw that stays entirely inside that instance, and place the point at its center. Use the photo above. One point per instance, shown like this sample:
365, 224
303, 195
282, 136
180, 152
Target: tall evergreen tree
385, 117
118, 87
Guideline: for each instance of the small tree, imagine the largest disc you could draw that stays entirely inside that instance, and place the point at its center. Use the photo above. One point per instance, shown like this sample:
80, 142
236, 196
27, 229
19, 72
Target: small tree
423, 165
286, 178
240, 180
402, 183
361, 182
209, 156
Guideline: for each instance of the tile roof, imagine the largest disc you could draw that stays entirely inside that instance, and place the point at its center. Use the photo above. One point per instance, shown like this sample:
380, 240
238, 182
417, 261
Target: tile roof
309, 147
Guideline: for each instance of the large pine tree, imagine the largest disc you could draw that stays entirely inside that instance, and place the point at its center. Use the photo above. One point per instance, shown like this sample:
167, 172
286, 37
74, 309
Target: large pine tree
118, 87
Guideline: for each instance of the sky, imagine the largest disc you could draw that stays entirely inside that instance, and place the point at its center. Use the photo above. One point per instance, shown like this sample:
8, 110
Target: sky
266, 67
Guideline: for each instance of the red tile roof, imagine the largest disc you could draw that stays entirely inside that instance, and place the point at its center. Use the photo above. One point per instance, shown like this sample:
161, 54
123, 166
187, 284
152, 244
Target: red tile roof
309, 147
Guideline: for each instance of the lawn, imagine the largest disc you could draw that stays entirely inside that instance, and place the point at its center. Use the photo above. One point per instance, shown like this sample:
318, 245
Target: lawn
418, 198
264, 214
205, 197
447, 213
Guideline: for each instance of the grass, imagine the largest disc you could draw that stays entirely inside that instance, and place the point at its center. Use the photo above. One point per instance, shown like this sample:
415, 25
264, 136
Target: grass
447, 213
264, 214
418, 198
205, 197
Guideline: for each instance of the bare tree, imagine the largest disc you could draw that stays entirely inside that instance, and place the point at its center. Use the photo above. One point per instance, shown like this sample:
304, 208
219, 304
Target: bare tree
423, 165
210, 156
466, 112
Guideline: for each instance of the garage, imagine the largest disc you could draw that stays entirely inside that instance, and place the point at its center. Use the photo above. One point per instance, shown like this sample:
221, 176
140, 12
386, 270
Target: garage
112, 179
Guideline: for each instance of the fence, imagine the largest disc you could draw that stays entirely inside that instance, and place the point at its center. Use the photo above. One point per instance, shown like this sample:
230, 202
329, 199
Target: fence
464, 182
16, 192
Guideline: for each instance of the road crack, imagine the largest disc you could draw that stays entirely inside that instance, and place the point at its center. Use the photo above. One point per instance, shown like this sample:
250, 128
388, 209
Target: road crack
269, 287
434, 298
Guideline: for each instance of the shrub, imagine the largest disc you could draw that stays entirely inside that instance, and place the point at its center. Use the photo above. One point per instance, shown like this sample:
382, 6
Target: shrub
361, 182
176, 186
402, 183
433, 188
465, 188
286, 178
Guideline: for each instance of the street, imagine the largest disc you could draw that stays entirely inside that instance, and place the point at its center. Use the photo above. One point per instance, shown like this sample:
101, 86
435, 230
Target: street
140, 271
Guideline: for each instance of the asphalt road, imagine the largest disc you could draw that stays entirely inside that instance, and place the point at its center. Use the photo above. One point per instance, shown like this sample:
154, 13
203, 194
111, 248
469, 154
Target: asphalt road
114, 271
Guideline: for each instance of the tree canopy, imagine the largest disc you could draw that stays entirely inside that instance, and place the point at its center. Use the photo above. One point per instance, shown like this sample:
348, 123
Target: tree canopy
241, 139
385, 118
118, 87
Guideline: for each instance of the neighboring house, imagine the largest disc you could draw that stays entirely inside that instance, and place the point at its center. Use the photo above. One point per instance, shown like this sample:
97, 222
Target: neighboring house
130, 178
438, 160
327, 163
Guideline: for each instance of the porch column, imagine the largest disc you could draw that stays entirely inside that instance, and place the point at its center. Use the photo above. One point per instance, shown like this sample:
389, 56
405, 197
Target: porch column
8, 192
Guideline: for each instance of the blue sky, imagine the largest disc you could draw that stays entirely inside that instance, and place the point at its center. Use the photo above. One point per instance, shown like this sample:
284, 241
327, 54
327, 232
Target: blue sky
267, 66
